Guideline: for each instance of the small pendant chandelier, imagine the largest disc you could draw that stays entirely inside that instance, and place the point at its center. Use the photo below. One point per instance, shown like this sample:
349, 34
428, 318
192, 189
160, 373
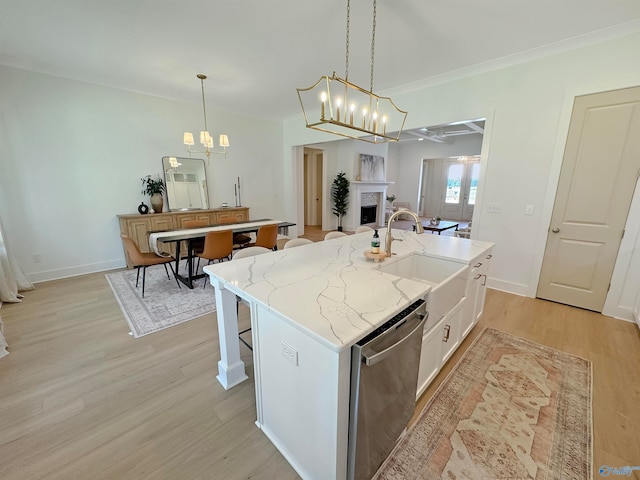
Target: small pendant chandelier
348, 110
205, 139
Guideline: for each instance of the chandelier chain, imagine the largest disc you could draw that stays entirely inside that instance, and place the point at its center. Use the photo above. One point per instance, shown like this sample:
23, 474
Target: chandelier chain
346, 61
373, 42
204, 108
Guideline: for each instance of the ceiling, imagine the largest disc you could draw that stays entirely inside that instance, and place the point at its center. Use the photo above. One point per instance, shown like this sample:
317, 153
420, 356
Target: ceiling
256, 52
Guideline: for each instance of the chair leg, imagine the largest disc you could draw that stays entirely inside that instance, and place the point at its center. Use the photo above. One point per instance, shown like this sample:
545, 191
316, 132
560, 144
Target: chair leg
144, 274
137, 275
167, 271
204, 280
174, 274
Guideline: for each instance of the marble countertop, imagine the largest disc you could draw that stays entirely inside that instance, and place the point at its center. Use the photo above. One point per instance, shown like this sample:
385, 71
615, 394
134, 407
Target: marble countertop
329, 290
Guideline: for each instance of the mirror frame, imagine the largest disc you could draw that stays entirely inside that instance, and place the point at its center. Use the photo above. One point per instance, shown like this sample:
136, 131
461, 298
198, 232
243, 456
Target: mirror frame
187, 165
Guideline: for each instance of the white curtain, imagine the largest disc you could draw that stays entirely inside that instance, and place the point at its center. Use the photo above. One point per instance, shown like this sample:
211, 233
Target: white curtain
12, 280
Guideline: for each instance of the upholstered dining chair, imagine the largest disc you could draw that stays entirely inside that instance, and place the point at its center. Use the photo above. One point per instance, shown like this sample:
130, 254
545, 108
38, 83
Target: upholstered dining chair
363, 228
218, 245
144, 260
267, 237
197, 244
239, 239
331, 235
296, 242
247, 252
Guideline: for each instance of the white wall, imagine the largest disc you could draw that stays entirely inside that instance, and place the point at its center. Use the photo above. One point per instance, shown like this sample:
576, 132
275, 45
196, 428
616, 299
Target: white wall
72, 155
527, 107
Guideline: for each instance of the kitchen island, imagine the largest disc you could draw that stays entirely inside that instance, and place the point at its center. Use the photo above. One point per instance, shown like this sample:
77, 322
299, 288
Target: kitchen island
309, 306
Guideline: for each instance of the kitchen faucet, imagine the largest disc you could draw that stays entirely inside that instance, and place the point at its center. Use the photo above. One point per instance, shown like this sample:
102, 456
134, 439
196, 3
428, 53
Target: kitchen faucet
389, 238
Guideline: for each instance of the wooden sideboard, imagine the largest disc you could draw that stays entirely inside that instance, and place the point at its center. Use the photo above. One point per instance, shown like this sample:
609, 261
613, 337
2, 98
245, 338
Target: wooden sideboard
138, 226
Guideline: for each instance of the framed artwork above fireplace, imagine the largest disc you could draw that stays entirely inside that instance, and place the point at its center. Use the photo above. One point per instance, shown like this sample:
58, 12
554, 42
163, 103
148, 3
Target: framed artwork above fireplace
372, 168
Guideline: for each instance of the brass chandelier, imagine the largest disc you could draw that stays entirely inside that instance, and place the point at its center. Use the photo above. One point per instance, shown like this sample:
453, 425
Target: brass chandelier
205, 138
340, 107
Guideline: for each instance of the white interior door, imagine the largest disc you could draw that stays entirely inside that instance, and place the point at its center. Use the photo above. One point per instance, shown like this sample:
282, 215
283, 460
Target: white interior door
597, 180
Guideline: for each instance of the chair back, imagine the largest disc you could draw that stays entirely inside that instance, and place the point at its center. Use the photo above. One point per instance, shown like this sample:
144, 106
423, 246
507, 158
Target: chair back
132, 250
363, 228
296, 242
331, 235
195, 223
267, 236
217, 245
250, 252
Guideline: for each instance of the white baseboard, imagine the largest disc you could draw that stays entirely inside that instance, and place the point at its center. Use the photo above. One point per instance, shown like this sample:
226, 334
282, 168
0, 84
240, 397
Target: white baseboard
45, 276
509, 287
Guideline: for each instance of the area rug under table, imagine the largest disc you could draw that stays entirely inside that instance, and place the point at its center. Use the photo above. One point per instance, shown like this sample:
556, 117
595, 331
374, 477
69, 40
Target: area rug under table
163, 305
510, 409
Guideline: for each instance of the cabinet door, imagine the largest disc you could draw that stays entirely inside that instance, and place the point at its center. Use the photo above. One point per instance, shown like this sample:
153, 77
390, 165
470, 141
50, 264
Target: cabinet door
451, 331
430, 358
236, 215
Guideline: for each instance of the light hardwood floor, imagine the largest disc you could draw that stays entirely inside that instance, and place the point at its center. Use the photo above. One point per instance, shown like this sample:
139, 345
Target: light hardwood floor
82, 399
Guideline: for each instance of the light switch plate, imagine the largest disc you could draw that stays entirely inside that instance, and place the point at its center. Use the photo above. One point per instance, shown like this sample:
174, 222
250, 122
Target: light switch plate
494, 208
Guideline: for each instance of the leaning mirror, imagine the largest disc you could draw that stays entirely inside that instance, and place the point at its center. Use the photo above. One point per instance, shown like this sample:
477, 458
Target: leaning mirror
186, 182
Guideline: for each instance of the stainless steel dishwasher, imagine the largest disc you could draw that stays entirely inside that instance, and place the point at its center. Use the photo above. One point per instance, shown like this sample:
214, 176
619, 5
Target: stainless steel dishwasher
384, 378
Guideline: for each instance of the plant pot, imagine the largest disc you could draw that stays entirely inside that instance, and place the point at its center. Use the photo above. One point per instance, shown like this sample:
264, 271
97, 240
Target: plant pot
157, 202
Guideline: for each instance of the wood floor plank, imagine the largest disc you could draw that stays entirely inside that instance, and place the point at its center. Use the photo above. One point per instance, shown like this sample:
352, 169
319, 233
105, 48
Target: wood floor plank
80, 398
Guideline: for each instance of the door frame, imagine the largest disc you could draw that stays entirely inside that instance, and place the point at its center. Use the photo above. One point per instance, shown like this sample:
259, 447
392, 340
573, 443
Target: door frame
610, 306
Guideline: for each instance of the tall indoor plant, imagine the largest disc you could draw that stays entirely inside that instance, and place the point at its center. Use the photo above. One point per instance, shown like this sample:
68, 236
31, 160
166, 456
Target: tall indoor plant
340, 197
154, 187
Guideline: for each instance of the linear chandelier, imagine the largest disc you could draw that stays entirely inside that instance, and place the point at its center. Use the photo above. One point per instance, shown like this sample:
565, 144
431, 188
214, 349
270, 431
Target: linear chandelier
205, 139
340, 107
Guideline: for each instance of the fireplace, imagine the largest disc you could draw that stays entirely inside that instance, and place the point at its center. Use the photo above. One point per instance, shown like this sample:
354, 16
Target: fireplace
365, 196
368, 214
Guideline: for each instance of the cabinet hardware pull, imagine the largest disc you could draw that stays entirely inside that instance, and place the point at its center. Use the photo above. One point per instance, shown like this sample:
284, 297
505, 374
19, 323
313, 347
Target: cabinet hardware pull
447, 328
488, 257
477, 276
484, 280
477, 265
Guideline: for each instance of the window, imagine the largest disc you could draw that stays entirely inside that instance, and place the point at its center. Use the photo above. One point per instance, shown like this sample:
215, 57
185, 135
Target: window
454, 182
473, 184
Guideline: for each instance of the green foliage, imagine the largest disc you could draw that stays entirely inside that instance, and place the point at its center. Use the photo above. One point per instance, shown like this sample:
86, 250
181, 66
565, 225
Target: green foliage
391, 198
340, 196
151, 186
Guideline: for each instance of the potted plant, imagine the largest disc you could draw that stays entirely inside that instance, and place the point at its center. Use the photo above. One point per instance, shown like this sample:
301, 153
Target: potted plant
340, 197
390, 198
154, 187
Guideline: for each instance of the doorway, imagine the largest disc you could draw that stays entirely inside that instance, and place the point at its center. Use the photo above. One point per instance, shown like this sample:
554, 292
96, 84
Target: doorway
597, 180
313, 174
449, 187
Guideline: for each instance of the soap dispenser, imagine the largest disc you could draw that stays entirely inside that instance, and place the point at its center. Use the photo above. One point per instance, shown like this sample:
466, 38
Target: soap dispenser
375, 242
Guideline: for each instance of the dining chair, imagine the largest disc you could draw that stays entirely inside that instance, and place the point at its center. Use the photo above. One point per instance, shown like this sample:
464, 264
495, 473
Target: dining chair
239, 239
267, 237
363, 228
331, 235
296, 242
218, 245
244, 253
144, 260
197, 244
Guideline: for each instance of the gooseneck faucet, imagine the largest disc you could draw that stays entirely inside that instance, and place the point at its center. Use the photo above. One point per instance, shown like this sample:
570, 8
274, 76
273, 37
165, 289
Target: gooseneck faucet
389, 237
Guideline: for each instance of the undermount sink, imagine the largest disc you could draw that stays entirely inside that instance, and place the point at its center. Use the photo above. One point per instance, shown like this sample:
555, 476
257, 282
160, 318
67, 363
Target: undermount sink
448, 281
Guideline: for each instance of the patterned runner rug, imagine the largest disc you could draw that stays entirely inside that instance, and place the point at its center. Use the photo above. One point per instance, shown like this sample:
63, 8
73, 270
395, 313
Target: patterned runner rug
510, 409
163, 305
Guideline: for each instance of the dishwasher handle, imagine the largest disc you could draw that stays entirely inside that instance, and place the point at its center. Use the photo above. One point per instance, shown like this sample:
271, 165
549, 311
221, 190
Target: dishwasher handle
379, 356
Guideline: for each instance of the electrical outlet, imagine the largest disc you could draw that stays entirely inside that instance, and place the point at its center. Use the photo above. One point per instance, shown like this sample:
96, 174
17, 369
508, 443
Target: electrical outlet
36, 258
289, 353
494, 208
528, 210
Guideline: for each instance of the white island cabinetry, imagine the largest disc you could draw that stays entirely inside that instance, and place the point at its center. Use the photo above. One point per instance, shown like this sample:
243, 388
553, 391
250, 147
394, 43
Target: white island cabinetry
309, 306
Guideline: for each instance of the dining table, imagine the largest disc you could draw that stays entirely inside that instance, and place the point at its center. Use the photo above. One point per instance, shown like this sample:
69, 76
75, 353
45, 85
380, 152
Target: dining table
190, 234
